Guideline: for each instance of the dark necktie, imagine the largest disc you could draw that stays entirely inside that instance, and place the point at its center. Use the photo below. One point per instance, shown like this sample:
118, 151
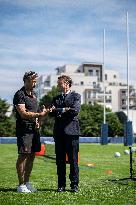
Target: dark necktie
63, 97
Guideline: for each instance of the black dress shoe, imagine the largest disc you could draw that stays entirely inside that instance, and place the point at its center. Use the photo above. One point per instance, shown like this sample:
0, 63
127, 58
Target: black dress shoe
61, 189
74, 188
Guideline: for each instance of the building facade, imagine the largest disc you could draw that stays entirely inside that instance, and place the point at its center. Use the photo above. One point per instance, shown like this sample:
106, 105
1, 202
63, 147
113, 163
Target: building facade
89, 80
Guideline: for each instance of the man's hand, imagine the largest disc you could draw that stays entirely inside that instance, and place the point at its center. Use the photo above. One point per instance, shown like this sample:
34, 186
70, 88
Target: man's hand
43, 112
67, 109
53, 108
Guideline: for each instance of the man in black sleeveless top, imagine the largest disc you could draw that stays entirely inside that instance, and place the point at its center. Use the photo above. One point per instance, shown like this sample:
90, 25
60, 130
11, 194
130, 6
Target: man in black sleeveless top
27, 125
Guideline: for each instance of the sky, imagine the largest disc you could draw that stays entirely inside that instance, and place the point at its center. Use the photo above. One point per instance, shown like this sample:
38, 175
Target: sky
41, 35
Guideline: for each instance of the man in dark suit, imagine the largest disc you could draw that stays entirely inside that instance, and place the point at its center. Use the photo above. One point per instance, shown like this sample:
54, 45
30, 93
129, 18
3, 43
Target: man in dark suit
65, 108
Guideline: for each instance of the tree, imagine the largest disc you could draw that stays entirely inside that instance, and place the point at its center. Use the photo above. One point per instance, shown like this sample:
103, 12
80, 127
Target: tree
91, 119
48, 122
7, 124
47, 99
115, 126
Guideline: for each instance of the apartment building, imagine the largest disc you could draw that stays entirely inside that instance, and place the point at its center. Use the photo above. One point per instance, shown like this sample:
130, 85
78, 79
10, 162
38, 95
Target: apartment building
89, 80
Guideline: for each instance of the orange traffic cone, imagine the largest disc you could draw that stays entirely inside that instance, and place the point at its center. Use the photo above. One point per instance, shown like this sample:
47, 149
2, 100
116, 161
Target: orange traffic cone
42, 152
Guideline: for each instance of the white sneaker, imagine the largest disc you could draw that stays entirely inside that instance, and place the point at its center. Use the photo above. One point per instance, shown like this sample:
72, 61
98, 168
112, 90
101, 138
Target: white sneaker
23, 188
30, 187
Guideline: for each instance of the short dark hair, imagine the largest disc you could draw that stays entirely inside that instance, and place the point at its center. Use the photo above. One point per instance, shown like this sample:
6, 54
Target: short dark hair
29, 75
66, 78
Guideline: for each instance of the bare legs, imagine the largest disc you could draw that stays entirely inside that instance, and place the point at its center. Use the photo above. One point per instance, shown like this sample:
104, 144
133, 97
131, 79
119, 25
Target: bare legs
24, 167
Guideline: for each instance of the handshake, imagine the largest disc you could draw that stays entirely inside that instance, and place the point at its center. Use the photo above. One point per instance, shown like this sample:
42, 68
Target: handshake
44, 110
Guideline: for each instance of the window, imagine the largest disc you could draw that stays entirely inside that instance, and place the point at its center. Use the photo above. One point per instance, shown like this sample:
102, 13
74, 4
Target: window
123, 102
106, 77
90, 72
47, 83
97, 72
124, 93
114, 76
89, 94
94, 94
108, 100
94, 84
81, 83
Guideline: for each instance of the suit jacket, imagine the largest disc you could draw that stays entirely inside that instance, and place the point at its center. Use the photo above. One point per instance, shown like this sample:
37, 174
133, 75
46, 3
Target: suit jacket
66, 122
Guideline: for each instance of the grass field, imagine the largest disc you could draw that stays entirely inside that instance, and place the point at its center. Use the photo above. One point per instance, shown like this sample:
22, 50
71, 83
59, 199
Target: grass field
98, 185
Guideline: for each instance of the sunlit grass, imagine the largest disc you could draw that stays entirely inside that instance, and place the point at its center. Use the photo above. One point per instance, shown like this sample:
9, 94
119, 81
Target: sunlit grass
101, 178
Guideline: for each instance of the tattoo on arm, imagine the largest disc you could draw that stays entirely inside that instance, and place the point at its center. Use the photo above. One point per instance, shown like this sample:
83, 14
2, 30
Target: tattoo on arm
24, 113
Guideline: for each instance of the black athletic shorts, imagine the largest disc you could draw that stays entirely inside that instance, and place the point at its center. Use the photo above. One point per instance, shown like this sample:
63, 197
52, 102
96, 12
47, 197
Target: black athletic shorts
29, 143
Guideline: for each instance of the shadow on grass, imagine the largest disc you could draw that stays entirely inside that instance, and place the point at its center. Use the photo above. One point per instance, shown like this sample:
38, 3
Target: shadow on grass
122, 181
52, 190
2, 189
50, 157
47, 158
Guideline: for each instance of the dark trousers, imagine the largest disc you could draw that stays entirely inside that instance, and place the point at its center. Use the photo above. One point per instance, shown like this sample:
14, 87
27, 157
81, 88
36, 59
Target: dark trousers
70, 145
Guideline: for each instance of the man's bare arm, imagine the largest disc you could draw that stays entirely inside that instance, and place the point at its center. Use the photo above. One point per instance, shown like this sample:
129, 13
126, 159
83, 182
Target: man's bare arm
28, 115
